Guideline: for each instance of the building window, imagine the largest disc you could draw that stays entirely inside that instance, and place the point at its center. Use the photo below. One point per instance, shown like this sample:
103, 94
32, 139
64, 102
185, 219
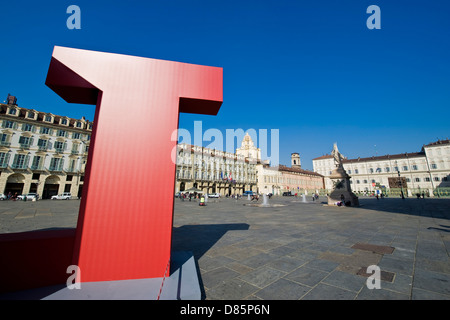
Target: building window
356, 171
349, 171
78, 124
48, 118
9, 124
408, 180
76, 135
56, 164
417, 179
64, 122
61, 133
405, 168
436, 179
414, 167
427, 179
387, 169
45, 130
4, 157
25, 142
378, 170
395, 168
20, 161
371, 170
12, 111
364, 181
27, 127
60, 146
30, 115
444, 178
42, 144
357, 181
4, 140
36, 163
433, 166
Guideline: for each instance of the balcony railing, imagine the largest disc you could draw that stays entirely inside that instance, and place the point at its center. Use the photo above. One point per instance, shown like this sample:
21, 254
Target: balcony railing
55, 169
20, 166
37, 168
25, 146
5, 144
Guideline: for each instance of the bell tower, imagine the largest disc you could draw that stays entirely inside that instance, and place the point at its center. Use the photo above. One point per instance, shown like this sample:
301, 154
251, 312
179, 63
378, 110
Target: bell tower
295, 160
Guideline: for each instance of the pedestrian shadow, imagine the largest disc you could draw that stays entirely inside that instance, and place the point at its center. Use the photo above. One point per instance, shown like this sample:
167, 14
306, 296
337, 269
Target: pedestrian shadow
440, 229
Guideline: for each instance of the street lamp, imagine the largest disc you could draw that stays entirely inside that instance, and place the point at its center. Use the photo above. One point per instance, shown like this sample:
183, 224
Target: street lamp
401, 185
399, 179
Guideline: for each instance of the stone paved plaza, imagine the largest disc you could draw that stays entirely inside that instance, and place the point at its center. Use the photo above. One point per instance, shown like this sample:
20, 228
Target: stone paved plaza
295, 250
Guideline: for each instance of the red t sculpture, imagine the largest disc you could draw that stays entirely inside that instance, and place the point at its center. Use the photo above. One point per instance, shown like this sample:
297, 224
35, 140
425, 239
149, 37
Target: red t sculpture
125, 221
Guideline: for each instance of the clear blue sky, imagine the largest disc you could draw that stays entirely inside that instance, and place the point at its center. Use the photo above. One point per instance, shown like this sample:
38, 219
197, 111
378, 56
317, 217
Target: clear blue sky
311, 69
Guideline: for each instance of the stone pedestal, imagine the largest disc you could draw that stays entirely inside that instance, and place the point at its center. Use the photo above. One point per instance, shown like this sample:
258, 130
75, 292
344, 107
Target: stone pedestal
342, 192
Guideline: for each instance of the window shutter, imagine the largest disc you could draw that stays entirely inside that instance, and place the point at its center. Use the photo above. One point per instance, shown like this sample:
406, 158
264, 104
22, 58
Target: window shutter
27, 160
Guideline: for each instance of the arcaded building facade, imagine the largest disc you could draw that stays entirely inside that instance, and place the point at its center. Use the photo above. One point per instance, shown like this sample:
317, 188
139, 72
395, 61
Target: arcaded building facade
41, 152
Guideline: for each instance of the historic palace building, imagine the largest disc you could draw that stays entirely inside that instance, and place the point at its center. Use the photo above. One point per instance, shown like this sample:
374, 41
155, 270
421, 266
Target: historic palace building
41, 152
427, 171
294, 179
46, 154
213, 171
280, 179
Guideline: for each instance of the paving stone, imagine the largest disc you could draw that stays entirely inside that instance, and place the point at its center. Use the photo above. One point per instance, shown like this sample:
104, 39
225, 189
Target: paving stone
432, 281
420, 294
259, 260
217, 276
234, 289
263, 276
392, 264
326, 292
307, 276
283, 289
380, 294
401, 283
286, 263
322, 265
345, 280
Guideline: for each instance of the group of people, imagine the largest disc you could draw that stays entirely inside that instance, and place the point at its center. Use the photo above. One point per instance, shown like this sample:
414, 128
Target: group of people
190, 196
11, 196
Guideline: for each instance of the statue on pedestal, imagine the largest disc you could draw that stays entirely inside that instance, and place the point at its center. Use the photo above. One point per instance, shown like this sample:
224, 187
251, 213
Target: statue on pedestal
342, 193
